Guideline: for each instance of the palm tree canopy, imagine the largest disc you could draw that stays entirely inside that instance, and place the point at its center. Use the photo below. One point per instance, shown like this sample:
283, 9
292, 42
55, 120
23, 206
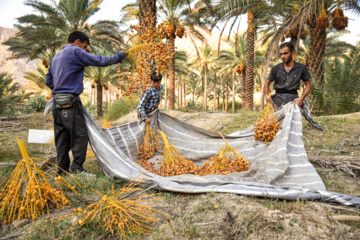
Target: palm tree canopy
48, 30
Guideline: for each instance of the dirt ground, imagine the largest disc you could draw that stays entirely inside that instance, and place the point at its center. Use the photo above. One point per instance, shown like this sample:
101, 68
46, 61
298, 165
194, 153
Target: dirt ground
206, 120
215, 215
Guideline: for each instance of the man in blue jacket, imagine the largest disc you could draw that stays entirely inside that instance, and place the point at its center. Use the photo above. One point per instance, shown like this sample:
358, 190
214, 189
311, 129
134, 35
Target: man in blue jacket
65, 79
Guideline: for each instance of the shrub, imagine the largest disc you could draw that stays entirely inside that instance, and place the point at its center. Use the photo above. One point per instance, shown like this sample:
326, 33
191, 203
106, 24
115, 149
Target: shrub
121, 107
36, 104
9, 101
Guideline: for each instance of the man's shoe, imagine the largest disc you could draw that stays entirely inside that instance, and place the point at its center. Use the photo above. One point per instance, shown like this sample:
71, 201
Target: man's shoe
82, 172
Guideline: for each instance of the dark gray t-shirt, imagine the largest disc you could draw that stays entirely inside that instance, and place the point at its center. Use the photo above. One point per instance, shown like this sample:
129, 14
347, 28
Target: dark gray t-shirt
288, 80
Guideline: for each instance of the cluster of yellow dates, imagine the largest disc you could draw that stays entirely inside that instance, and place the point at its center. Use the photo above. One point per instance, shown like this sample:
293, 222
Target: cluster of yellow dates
118, 213
149, 54
27, 193
266, 126
150, 145
227, 160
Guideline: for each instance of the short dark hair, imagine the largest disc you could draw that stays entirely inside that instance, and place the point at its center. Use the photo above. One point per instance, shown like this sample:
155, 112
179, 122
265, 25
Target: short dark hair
78, 35
289, 45
156, 77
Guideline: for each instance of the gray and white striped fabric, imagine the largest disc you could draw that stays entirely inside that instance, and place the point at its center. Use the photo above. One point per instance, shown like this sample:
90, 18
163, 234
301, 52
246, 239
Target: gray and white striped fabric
279, 170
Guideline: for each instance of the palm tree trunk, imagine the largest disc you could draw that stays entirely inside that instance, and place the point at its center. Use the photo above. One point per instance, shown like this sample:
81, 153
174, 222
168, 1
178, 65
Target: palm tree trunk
205, 89
233, 91
99, 97
250, 62
214, 91
223, 93
180, 93
145, 7
317, 50
227, 95
172, 77
166, 93
110, 93
106, 94
94, 96
202, 88
91, 97
243, 88
184, 95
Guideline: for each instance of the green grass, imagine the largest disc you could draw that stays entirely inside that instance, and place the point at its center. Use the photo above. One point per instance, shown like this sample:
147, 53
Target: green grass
245, 118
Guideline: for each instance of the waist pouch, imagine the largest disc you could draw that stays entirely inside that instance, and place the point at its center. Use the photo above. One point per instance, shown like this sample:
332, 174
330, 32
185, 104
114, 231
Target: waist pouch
64, 100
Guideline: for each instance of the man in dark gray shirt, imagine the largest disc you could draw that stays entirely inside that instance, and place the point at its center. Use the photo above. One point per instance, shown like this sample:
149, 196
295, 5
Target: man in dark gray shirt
286, 77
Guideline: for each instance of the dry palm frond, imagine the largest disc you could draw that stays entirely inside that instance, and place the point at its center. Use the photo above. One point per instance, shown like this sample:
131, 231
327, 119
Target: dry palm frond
301, 16
120, 211
27, 192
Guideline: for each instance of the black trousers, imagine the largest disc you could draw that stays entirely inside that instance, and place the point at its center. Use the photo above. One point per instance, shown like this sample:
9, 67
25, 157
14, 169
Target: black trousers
70, 134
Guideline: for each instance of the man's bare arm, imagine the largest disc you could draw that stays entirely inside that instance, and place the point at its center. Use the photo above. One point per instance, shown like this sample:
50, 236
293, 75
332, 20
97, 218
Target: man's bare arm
266, 91
306, 92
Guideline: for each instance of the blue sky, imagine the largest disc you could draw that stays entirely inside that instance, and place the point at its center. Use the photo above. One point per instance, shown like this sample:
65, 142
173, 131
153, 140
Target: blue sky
110, 10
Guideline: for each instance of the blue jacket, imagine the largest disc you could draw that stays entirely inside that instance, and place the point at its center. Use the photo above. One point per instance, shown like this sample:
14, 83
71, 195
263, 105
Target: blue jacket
66, 71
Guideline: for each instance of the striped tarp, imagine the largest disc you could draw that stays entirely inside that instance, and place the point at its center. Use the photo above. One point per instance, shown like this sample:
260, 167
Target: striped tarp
280, 169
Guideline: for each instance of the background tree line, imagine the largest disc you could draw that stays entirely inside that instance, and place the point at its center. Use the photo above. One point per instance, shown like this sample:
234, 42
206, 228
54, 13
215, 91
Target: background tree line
210, 78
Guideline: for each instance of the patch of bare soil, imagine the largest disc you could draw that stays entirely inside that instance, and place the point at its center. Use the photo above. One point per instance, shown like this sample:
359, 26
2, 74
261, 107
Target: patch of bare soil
10, 125
349, 115
206, 120
229, 216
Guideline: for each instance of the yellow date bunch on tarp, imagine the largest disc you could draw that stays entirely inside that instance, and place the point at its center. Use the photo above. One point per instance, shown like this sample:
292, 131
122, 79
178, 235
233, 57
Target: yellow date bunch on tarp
227, 160
266, 126
150, 145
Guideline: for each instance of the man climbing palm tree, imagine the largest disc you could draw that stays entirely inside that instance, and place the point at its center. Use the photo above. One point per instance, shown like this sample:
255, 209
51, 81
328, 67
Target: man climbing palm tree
65, 79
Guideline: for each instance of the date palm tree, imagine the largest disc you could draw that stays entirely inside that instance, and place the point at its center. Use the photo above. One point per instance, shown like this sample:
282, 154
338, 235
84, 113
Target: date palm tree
230, 10
8, 97
177, 14
37, 77
47, 30
308, 13
101, 76
184, 72
341, 91
147, 8
236, 57
204, 64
